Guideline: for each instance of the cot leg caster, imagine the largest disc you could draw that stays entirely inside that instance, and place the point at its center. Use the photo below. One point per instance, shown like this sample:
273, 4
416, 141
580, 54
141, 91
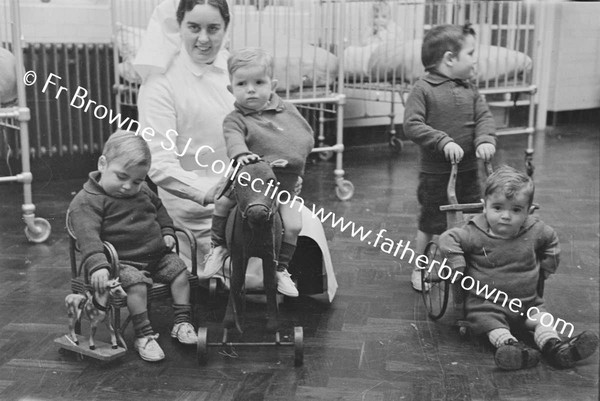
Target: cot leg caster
344, 190
396, 145
38, 230
202, 346
326, 155
298, 346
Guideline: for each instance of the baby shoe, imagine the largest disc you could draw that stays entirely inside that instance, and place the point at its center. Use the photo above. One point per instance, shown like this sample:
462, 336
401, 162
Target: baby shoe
285, 285
149, 349
564, 354
184, 333
213, 262
514, 355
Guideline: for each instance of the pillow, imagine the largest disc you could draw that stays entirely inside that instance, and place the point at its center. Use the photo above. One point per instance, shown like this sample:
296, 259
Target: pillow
404, 60
296, 63
356, 60
8, 77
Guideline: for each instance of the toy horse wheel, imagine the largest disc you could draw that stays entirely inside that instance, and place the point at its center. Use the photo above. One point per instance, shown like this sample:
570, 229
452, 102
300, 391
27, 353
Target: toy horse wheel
40, 231
435, 291
212, 289
344, 190
202, 346
298, 346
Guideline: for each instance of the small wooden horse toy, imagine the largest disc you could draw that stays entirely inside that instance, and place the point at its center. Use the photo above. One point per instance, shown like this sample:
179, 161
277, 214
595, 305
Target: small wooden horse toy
254, 229
95, 307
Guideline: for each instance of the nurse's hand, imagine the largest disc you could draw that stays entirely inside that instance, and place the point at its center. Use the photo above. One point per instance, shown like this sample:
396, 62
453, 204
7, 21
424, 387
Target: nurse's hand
210, 195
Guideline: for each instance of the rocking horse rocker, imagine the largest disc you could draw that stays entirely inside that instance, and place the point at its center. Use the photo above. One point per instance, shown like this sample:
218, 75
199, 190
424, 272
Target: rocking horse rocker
254, 229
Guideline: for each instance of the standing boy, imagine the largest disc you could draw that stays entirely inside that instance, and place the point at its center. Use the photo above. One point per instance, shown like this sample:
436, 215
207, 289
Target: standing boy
449, 120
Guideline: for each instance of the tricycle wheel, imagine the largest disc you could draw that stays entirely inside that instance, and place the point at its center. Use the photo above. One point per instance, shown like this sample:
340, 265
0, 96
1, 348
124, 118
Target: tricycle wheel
435, 291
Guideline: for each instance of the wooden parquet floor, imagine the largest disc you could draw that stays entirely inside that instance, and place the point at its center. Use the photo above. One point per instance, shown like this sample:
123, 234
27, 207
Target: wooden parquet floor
373, 342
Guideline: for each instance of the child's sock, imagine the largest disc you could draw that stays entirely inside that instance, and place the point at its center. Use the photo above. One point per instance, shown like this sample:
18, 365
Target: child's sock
141, 325
217, 232
182, 313
542, 334
510, 353
499, 337
285, 255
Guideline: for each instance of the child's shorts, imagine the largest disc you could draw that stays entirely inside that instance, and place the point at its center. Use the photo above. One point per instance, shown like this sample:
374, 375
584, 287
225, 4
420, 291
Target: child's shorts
485, 315
164, 271
432, 193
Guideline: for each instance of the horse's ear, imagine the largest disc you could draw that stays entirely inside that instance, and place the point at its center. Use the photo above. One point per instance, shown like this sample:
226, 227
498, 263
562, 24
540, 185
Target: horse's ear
279, 163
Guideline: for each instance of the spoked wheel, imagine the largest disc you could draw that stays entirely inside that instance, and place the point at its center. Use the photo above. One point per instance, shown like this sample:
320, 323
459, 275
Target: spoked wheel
298, 346
202, 346
435, 291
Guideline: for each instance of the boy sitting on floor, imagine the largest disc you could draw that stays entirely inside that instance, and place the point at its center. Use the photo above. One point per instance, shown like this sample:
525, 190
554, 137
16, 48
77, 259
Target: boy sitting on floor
507, 248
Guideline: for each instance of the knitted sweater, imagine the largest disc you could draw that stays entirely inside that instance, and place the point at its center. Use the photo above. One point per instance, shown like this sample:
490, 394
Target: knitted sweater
135, 226
510, 265
440, 110
276, 132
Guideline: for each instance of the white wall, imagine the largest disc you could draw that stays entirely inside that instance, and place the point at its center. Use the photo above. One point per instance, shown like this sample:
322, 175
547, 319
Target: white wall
574, 69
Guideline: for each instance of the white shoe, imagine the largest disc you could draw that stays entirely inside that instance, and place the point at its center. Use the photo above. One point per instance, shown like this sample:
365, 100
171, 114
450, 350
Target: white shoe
285, 285
149, 349
415, 279
214, 261
184, 333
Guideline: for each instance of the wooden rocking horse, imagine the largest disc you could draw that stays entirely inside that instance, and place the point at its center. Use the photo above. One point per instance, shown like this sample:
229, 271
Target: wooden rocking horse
254, 229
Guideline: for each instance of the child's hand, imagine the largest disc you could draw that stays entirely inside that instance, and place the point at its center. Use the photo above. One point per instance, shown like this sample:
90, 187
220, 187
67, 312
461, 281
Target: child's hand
453, 152
99, 279
298, 186
169, 241
246, 159
485, 151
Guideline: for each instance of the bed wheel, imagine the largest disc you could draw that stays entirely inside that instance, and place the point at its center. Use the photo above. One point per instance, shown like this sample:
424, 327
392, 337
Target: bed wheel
298, 346
396, 145
326, 155
202, 346
344, 190
39, 232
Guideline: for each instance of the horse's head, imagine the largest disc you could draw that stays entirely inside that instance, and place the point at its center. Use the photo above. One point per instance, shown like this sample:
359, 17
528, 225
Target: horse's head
256, 199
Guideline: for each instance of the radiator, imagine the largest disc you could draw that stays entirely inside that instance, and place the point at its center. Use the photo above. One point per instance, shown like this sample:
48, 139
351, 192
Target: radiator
57, 128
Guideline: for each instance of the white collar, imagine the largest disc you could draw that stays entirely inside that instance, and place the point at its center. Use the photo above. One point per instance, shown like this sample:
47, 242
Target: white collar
219, 65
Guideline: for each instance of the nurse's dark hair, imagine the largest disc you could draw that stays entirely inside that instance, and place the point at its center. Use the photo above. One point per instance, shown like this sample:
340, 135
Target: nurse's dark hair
128, 148
186, 6
509, 181
441, 39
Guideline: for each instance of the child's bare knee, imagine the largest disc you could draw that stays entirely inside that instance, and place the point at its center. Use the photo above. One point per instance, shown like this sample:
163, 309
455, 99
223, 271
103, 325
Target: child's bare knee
137, 289
181, 280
